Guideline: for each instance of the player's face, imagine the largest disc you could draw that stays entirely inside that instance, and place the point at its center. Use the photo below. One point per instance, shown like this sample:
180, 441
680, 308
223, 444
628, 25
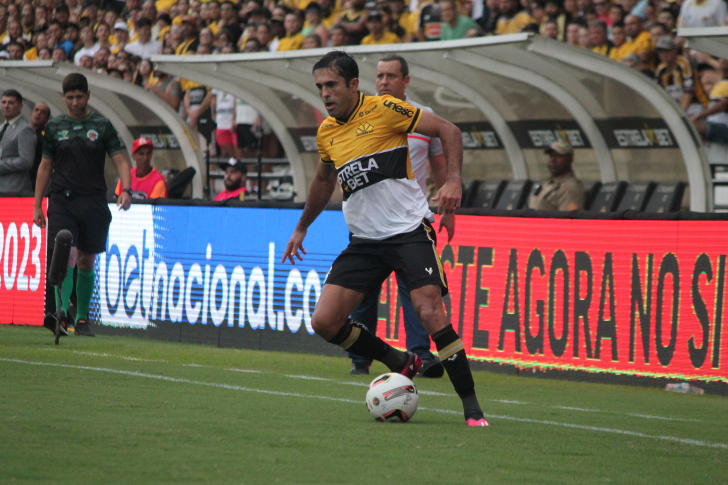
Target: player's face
390, 80
76, 102
339, 99
11, 107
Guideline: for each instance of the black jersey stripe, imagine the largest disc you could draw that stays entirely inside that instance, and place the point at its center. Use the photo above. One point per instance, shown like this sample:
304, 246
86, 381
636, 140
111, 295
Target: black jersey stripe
415, 119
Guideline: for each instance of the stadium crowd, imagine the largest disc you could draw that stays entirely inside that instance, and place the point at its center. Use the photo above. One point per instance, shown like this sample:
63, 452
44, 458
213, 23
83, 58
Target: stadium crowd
118, 37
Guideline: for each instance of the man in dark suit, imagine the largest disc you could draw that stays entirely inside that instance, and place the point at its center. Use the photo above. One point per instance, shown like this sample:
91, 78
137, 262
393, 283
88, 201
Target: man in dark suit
17, 146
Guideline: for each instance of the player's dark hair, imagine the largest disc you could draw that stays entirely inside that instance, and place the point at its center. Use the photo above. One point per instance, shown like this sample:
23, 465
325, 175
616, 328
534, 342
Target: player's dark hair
75, 82
12, 93
403, 66
340, 62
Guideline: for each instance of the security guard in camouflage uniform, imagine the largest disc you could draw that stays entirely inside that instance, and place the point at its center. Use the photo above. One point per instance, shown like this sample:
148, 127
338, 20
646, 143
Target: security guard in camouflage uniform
563, 191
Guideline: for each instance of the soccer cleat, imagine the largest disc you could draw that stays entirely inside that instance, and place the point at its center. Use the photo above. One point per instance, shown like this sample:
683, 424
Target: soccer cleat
431, 368
359, 368
50, 320
413, 365
476, 420
82, 328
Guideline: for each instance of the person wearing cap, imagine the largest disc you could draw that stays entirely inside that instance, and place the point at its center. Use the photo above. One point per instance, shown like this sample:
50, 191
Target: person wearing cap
378, 32
676, 75
146, 181
293, 24
121, 37
235, 176
563, 191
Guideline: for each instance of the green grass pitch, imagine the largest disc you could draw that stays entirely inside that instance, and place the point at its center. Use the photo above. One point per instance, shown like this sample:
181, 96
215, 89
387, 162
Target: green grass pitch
123, 410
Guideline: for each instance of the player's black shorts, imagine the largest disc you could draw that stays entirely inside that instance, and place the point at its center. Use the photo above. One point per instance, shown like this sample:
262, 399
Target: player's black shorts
366, 263
246, 137
86, 216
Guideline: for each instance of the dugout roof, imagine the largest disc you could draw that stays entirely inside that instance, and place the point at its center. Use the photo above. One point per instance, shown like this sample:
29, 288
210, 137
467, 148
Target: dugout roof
132, 110
510, 95
711, 40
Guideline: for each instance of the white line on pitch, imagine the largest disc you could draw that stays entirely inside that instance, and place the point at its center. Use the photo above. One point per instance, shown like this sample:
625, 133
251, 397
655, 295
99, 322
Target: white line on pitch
686, 441
362, 384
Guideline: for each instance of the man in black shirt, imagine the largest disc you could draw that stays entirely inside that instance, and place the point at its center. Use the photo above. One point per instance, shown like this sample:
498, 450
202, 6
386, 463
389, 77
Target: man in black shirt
38, 120
75, 146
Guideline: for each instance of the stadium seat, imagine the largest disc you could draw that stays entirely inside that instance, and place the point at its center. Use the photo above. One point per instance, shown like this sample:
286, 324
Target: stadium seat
487, 193
176, 187
636, 196
592, 188
608, 197
470, 188
667, 197
514, 195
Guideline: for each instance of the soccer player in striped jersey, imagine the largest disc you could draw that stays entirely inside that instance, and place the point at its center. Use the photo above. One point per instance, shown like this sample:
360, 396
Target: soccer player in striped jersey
363, 144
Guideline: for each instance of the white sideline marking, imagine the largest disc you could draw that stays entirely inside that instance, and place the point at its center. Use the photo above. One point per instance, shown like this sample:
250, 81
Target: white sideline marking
569, 408
686, 441
648, 416
362, 384
307, 378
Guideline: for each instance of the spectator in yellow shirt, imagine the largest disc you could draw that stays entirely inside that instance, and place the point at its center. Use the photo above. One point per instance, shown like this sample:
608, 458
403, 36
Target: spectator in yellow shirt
512, 19
598, 34
378, 34
293, 24
639, 41
619, 39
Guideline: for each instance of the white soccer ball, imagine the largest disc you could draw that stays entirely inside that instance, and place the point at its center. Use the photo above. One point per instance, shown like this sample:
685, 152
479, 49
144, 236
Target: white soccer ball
392, 398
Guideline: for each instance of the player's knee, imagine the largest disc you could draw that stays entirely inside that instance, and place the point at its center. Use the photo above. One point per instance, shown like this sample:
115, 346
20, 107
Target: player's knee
321, 325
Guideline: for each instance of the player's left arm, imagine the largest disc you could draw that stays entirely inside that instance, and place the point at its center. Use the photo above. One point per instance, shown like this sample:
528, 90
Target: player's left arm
122, 167
451, 190
438, 167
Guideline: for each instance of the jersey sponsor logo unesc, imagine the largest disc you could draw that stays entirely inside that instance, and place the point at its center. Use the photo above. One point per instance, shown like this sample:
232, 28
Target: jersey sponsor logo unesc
398, 109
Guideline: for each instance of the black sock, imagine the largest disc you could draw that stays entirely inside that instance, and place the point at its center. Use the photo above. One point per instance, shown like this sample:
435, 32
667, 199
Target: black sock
452, 355
354, 337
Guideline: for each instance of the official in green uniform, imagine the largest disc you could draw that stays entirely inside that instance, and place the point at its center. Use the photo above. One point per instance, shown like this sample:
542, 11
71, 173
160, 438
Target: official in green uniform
75, 146
563, 191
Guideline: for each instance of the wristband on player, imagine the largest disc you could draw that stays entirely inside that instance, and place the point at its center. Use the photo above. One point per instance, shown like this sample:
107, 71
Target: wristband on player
128, 191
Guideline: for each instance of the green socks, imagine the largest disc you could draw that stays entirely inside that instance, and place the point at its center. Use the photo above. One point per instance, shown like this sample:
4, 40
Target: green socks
65, 291
84, 290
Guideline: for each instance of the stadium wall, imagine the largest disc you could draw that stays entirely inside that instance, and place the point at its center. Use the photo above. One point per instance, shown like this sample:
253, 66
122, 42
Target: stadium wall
611, 298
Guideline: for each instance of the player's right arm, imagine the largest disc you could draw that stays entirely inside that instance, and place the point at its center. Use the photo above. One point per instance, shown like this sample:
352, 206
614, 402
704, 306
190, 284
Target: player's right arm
319, 194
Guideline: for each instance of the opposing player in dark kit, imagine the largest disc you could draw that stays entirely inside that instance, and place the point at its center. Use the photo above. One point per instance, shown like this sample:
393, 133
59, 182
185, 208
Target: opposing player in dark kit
75, 146
364, 140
